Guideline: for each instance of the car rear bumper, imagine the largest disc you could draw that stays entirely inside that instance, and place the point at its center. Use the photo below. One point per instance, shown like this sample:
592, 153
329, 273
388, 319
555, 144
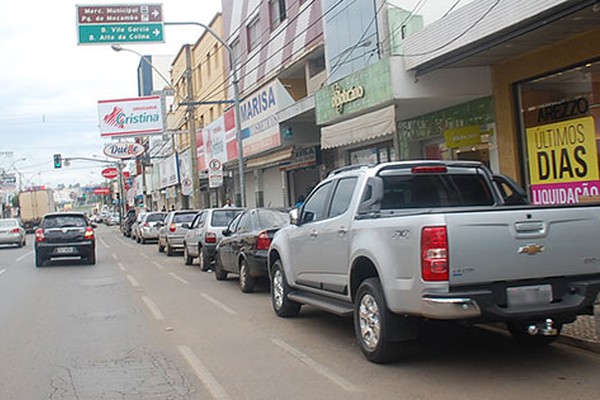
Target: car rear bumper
10, 238
63, 250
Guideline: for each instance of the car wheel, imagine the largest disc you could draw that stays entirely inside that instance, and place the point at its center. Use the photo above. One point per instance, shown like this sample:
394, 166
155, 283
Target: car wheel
246, 281
39, 260
519, 332
204, 260
24, 242
187, 259
374, 324
91, 260
169, 249
220, 273
19, 244
280, 289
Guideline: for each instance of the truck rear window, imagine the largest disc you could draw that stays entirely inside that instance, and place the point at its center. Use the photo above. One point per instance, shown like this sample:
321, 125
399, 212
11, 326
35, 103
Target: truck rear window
435, 190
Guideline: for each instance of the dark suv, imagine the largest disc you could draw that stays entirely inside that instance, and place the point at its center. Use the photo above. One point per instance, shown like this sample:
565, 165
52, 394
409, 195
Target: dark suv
65, 234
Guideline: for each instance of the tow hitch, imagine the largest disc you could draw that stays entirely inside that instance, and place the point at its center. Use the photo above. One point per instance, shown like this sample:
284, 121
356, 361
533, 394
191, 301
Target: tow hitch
545, 328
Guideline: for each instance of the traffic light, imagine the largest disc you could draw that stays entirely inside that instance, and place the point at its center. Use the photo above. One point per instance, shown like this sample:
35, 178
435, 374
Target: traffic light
57, 161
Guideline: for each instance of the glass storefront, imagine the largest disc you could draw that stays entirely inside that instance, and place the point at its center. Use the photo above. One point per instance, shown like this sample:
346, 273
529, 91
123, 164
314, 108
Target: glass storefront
560, 134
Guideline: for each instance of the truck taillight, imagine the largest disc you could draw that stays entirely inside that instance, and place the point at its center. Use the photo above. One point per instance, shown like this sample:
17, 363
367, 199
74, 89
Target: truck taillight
210, 237
434, 253
89, 233
263, 241
172, 227
39, 235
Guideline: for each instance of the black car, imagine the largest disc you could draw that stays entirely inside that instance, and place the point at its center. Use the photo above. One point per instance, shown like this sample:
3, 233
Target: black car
65, 235
129, 219
245, 243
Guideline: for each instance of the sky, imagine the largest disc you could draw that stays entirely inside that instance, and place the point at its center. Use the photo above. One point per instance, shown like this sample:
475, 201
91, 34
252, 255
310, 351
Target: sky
50, 85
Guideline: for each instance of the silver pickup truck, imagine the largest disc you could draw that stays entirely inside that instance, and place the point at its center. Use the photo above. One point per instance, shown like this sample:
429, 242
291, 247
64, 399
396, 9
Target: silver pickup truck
399, 242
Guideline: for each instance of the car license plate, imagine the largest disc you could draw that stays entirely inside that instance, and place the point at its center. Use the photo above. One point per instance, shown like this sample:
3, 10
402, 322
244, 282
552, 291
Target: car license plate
64, 250
529, 295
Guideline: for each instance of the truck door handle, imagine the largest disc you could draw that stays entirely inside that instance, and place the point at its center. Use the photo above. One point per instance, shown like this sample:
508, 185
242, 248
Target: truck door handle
314, 233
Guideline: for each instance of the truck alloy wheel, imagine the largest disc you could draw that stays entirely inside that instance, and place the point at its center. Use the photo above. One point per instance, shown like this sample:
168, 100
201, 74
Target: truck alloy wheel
280, 289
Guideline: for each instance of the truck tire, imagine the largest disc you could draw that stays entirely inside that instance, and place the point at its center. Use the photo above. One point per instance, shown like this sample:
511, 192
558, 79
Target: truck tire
518, 330
373, 324
246, 281
280, 289
169, 249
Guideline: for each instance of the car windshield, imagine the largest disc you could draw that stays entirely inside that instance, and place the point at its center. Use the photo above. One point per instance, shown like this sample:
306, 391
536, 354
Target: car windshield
272, 219
223, 217
184, 217
7, 223
64, 221
155, 217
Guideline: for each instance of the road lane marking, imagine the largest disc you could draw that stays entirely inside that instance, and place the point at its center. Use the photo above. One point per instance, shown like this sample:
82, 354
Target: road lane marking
121, 266
143, 255
2, 271
206, 378
124, 243
178, 277
158, 265
321, 369
114, 256
24, 256
104, 243
153, 308
216, 302
132, 280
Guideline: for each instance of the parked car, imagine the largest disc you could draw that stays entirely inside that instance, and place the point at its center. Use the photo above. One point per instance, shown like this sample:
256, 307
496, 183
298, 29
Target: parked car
128, 221
205, 232
65, 234
172, 230
148, 227
136, 224
245, 243
12, 232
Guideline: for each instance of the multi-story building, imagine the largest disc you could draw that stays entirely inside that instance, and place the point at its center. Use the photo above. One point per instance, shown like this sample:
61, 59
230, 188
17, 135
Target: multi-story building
278, 53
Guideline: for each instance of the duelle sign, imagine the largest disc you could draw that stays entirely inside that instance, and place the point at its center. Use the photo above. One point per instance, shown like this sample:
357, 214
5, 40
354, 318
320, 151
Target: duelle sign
124, 150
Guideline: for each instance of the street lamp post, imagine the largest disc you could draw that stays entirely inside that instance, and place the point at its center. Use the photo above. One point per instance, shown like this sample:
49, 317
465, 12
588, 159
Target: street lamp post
191, 119
236, 100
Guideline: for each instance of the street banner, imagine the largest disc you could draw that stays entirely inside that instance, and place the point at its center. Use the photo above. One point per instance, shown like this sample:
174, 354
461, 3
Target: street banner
141, 116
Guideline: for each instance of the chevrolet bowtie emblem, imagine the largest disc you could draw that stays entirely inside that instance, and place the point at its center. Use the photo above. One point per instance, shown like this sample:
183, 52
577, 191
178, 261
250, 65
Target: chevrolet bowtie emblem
531, 249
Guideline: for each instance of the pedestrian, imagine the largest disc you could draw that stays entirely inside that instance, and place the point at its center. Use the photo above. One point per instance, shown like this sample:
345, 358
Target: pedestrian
299, 201
227, 203
163, 209
172, 207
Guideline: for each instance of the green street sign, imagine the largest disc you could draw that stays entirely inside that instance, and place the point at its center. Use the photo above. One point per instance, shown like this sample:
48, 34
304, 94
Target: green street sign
120, 33
123, 23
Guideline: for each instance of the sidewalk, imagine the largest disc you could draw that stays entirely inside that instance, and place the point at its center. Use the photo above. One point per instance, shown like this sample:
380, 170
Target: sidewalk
582, 333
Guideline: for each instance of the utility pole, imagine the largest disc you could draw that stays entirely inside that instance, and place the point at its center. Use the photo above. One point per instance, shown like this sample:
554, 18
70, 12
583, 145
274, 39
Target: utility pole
191, 110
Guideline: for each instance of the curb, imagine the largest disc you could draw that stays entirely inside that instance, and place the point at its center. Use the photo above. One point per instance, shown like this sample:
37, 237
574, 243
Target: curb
578, 342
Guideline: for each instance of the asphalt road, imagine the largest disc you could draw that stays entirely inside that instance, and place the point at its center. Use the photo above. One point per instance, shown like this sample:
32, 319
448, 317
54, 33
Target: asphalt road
141, 325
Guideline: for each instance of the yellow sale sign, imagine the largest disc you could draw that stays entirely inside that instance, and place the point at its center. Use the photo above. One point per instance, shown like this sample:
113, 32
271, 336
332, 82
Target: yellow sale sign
562, 152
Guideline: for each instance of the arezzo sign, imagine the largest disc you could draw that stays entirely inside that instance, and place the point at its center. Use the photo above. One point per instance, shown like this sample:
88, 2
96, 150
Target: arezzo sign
141, 116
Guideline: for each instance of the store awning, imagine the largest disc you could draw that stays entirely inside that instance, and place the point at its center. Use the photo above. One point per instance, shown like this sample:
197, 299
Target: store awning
270, 159
368, 126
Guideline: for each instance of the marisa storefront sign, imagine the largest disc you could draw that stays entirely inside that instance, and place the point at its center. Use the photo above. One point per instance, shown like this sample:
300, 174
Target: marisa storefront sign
358, 92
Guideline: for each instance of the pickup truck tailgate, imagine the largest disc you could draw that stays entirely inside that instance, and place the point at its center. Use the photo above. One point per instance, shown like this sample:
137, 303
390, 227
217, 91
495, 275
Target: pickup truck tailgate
510, 244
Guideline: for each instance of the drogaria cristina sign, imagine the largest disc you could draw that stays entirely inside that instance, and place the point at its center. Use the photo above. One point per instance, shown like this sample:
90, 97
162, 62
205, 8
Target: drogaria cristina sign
140, 116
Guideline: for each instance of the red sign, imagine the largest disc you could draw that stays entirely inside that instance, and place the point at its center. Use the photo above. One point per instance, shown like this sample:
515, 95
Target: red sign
126, 174
110, 173
103, 191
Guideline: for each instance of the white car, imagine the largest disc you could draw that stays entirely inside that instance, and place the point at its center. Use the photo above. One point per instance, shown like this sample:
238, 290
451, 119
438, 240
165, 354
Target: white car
12, 232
